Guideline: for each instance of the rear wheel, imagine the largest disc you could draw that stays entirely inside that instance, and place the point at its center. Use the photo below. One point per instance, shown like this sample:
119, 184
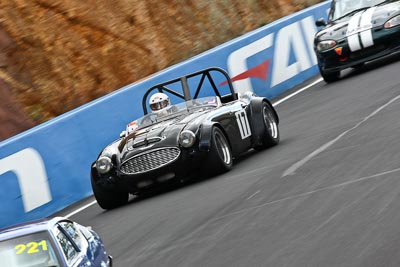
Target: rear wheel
271, 135
107, 198
220, 157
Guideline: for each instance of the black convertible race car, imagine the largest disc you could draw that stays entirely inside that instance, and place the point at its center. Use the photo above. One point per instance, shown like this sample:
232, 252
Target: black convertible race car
202, 133
357, 31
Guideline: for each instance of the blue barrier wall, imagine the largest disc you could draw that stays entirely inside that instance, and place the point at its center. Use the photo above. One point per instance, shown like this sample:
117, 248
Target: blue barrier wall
47, 168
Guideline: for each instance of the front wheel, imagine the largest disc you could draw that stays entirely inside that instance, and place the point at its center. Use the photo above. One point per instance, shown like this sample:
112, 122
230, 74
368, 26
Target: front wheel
220, 156
107, 198
331, 76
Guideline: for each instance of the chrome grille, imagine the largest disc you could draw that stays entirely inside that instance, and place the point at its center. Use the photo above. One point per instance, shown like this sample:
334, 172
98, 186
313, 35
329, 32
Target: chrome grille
150, 160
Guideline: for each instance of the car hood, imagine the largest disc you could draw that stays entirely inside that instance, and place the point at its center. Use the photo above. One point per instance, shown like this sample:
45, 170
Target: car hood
162, 134
339, 29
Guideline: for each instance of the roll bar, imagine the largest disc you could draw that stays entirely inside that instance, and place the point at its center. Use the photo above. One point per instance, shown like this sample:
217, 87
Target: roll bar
162, 87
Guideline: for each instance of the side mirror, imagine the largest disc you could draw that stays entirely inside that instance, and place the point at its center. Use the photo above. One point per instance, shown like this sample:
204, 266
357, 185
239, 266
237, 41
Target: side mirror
320, 22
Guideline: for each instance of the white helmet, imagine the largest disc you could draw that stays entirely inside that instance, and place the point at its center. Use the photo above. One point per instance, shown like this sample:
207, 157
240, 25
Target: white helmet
158, 102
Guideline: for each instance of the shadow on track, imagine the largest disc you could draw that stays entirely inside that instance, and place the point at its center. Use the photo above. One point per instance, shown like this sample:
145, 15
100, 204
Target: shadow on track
370, 66
181, 184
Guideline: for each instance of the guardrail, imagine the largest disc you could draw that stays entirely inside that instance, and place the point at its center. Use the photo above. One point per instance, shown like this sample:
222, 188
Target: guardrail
47, 168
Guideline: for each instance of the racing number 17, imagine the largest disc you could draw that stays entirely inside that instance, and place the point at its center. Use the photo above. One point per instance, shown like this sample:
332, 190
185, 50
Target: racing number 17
243, 124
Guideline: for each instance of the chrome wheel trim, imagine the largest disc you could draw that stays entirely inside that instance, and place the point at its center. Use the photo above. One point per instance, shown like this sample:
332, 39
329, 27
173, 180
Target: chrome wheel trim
270, 123
223, 148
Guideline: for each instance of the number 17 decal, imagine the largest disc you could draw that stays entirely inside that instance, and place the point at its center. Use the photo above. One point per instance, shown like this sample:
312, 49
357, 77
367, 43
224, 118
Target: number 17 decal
243, 124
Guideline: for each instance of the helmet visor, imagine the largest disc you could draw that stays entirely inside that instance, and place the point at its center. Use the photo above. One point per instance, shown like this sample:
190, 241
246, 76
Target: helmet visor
159, 105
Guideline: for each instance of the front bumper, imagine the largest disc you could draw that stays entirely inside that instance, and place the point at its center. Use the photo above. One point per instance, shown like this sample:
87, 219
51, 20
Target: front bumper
386, 41
185, 166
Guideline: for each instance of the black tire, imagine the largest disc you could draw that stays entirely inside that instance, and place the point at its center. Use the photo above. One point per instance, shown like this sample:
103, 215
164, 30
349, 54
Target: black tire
330, 77
107, 198
271, 136
220, 157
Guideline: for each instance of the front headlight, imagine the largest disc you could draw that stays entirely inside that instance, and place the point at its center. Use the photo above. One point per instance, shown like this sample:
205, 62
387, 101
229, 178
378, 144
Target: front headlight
325, 45
103, 164
395, 21
187, 138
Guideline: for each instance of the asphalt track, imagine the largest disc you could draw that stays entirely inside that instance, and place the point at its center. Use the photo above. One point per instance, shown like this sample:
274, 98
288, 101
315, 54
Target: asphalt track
327, 195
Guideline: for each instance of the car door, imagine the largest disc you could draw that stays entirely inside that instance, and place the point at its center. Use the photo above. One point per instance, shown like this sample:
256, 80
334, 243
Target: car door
239, 128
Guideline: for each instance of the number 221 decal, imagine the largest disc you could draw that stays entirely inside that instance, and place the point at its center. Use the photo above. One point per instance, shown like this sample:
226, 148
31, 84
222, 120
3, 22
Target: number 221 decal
243, 124
31, 247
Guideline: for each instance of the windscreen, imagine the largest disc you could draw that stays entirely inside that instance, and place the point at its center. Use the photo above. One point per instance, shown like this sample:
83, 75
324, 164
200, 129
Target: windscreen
180, 109
344, 7
32, 250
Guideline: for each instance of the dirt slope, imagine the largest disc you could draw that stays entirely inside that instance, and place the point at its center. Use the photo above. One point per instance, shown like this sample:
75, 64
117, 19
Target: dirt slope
56, 55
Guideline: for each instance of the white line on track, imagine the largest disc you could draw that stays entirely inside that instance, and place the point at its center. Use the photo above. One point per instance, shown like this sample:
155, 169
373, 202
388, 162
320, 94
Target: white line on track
297, 92
274, 104
361, 179
188, 239
80, 209
292, 169
250, 197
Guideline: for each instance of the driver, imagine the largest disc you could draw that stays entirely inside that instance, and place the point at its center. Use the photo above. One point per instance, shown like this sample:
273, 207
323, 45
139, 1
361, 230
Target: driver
159, 103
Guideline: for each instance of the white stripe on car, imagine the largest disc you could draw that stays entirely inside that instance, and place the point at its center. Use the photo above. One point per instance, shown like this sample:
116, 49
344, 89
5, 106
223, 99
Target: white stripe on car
359, 34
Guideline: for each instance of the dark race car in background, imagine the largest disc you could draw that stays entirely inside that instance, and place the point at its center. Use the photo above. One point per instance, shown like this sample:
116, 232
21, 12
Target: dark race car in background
357, 31
199, 133
56, 242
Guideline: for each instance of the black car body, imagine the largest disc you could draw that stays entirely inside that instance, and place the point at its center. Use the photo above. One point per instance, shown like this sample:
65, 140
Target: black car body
357, 31
200, 133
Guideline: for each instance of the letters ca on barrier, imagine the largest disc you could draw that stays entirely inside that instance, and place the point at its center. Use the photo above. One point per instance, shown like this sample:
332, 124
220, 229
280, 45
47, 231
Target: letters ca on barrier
294, 39
30, 171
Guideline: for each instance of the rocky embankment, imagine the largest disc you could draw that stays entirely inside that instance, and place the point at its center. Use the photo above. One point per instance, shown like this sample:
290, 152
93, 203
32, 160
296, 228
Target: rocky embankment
56, 55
